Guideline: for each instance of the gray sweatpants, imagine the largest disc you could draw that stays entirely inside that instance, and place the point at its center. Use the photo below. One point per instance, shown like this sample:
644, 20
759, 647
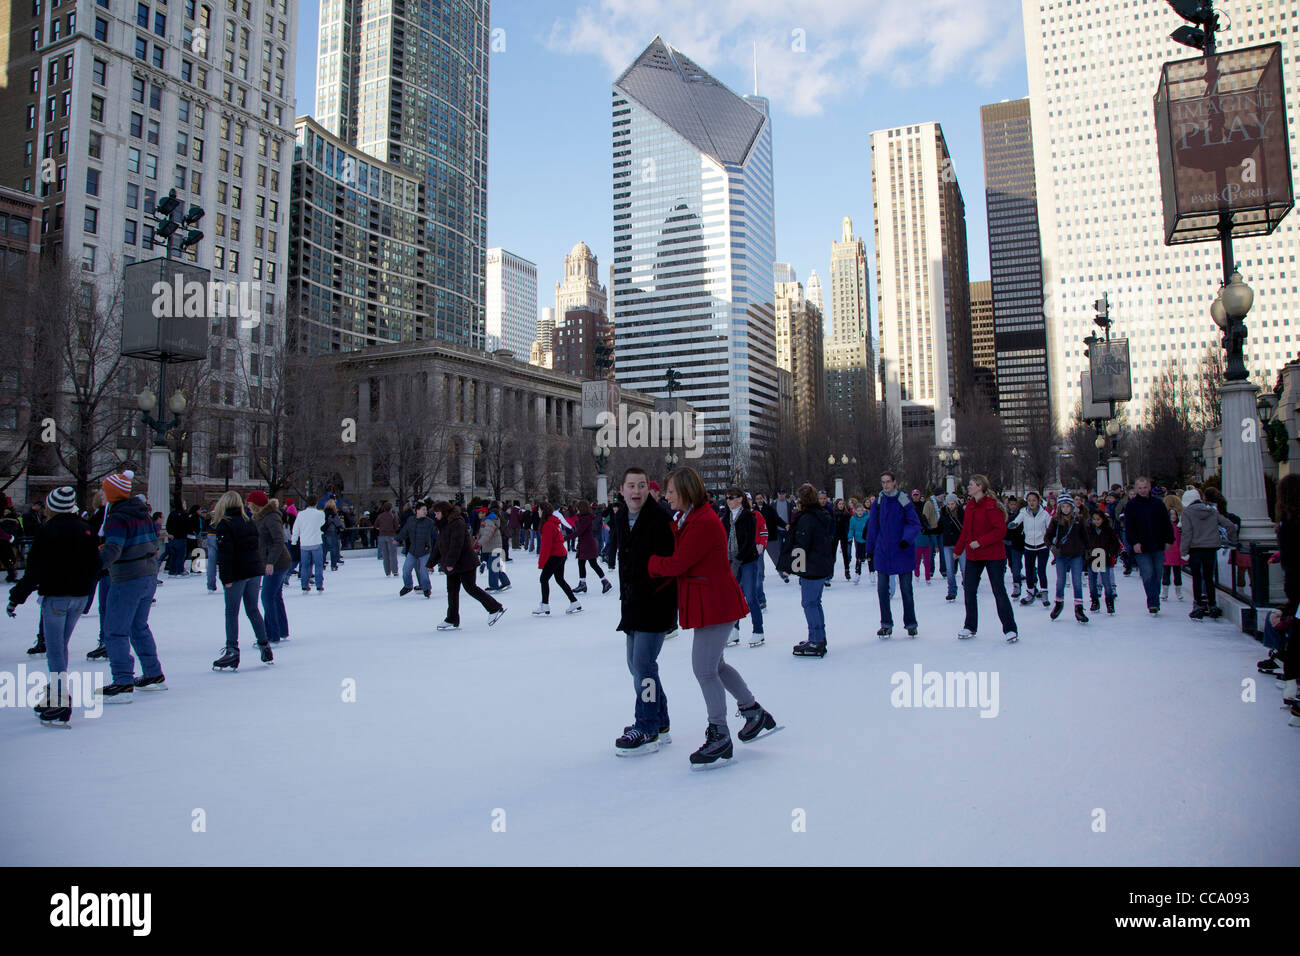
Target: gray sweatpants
715, 674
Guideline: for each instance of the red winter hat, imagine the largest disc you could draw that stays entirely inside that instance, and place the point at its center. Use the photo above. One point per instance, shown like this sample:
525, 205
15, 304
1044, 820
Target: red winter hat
257, 499
654, 486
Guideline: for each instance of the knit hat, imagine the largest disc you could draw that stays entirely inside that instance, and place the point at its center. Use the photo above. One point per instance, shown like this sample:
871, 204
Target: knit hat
118, 487
62, 500
654, 486
1190, 497
257, 499
951, 500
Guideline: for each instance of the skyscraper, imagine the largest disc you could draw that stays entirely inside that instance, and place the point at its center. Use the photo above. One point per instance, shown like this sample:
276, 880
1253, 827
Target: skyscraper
409, 86
584, 344
784, 272
581, 288
1099, 197
850, 359
814, 292
1016, 268
799, 352
923, 284
542, 352
983, 349
694, 245
119, 107
511, 302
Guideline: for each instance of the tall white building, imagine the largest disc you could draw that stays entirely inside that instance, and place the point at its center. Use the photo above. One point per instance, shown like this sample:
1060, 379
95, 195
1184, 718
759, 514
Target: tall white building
126, 104
694, 247
581, 288
542, 352
850, 361
922, 280
784, 272
1093, 70
814, 292
511, 302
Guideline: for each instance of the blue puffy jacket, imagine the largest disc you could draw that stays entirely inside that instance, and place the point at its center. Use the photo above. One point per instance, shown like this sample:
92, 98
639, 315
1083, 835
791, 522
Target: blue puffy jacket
893, 522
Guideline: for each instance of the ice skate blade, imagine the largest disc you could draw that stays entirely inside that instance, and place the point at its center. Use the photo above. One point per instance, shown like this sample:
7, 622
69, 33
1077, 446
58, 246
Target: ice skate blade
650, 748
116, 699
767, 733
58, 724
720, 762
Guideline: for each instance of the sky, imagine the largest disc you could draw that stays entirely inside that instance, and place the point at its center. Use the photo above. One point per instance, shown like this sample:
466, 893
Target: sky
834, 71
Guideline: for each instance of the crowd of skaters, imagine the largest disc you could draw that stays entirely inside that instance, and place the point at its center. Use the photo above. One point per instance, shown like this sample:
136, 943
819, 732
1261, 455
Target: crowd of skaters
685, 558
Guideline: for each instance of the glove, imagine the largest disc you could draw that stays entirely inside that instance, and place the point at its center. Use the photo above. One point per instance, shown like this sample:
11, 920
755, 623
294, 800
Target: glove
902, 546
9, 609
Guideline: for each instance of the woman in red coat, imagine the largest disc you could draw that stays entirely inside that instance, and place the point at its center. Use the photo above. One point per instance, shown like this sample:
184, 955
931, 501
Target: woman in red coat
982, 530
551, 557
708, 600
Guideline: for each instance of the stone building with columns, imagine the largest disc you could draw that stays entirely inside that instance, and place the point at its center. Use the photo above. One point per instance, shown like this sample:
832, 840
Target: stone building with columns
466, 422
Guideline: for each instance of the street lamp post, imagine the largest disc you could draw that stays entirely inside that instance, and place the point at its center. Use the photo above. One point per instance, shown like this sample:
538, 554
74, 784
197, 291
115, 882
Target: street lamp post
950, 460
159, 453
670, 462
602, 481
838, 466
1114, 467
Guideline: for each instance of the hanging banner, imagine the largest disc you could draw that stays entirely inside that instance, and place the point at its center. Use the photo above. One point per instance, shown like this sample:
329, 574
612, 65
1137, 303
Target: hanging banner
1110, 371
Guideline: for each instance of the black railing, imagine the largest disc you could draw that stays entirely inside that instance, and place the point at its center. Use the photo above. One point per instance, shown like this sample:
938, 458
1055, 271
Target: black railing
1249, 582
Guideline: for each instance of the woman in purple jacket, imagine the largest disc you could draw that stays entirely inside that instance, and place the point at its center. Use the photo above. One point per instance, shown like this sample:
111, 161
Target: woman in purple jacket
588, 549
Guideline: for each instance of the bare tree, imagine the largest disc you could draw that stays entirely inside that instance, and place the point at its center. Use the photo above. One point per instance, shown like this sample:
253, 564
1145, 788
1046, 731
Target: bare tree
1038, 453
410, 441
1170, 434
30, 374
1207, 379
84, 329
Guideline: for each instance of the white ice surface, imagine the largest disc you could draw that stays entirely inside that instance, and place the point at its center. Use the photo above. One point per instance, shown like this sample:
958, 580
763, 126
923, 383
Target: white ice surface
1141, 718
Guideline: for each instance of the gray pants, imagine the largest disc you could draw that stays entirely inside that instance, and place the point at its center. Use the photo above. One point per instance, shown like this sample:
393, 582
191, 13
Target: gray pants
715, 674
388, 549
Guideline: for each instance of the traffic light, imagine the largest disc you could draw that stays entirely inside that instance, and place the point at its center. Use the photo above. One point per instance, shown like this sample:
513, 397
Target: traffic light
1102, 308
674, 381
1200, 12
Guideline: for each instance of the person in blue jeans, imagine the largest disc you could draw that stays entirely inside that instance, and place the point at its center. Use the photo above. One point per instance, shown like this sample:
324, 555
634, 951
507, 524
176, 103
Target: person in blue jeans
892, 528
130, 554
241, 569
950, 525
647, 610
309, 536
416, 536
274, 557
809, 554
742, 548
62, 563
1148, 531
210, 547
1069, 543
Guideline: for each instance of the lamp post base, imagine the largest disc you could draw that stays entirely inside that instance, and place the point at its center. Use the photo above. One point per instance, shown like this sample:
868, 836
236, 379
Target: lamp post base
839, 488
950, 483
1115, 471
602, 489
1243, 471
159, 474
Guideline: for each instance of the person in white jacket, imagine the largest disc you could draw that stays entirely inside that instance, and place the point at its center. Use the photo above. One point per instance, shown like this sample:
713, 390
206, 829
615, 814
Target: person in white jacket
307, 534
1034, 520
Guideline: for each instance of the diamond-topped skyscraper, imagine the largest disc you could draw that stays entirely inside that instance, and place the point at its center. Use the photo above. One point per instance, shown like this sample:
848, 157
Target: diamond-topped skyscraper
694, 250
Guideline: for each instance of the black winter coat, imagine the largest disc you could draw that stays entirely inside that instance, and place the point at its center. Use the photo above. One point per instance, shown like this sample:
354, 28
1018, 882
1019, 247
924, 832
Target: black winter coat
1288, 545
774, 521
1146, 522
63, 561
453, 549
950, 527
842, 525
813, 532
648, 604
238, 553
1103, 538
1068, 541
1015, 536
746, 534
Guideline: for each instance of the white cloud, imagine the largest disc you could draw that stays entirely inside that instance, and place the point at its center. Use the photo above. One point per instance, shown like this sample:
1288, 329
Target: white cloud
810, 52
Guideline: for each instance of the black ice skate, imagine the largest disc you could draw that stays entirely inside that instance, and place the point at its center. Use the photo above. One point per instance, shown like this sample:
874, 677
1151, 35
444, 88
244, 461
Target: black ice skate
39, 646
605, 586
117, 693
1029, 597
1095, 606
717, 745
1057, 609
1079, 615
157, 682
886, 630
56, 717
634, 743
1110, 604
911, 631
581, 588
229, 660
758, 723
267, 656
810, 649
98, 654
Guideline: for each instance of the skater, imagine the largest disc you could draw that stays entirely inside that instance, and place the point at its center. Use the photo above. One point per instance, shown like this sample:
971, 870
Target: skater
97, 519
924, 550
273, 555
1035, 521
648, 609
492, 552
331, 533
1148, 531
984, 528
308, 534
588, 549
386, 529
63, 565
710, 601
842, 518
418, 539
1288, 548
453, 551
778, 520
858, 535
551, 555
1103, 551
810, 555
240, 567
130, 554
1174, 563
951, 520
1199, 545
742, 551
761, 541
891, 528
1014, 543
1069, 544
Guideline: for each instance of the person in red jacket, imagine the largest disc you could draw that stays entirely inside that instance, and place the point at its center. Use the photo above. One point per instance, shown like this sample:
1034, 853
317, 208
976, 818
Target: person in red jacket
551, 556
982, 530
710, 601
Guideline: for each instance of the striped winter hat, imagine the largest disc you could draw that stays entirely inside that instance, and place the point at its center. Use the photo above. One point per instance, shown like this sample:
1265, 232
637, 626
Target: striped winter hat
118, 487
62, 500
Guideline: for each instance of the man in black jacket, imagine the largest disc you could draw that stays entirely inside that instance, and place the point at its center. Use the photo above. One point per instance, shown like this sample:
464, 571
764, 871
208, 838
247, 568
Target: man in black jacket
648, 609
453, 551
178, 528
809, 553
1148, 531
